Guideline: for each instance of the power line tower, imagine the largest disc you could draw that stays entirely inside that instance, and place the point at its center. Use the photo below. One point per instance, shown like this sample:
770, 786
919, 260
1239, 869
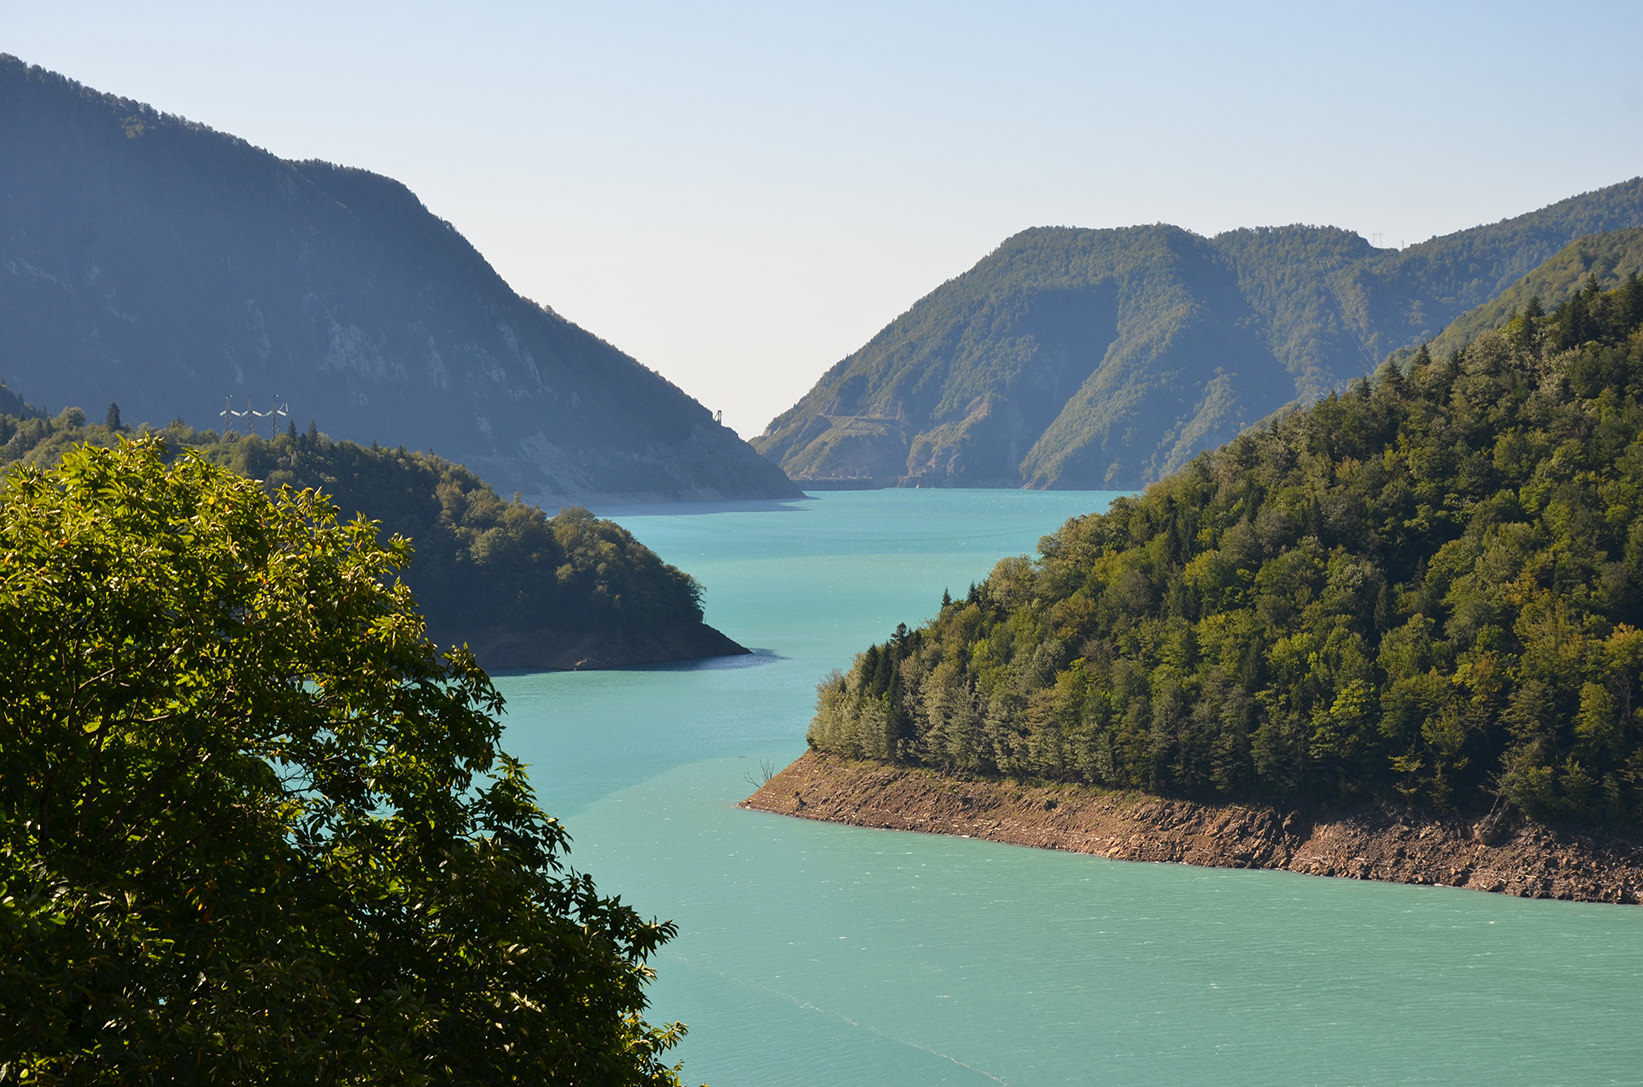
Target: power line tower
228, 415
273, 415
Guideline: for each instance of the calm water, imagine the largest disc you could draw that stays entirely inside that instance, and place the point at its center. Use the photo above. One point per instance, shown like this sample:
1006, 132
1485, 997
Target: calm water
820, 955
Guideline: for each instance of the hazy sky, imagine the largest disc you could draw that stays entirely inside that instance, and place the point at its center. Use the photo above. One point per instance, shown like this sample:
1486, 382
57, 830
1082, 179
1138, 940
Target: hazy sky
739, 195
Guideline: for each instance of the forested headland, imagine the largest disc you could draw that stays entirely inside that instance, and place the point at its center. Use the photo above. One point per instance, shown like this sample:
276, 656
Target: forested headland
1427, 590
522, 589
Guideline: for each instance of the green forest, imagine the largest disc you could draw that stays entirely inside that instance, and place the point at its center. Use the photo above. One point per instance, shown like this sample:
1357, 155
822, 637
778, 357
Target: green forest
1611, 257
1428, 588
481, 564
1071, 358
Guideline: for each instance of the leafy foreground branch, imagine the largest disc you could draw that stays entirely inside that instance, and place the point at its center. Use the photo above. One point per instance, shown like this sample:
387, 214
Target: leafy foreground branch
255, 828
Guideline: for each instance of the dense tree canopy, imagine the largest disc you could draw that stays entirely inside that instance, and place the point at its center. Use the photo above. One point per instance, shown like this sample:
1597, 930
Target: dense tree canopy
1610, 258
254, 827
1431, 587
483, 564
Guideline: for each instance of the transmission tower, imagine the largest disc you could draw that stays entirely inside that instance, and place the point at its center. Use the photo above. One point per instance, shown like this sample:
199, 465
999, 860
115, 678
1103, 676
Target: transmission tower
273, 415
229, 415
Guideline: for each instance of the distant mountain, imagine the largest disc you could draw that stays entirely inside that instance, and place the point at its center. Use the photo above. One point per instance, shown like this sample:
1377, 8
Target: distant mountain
1108, 358
155, 262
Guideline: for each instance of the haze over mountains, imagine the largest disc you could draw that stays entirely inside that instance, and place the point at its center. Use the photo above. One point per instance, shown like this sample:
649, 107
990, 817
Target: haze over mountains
1107, 358
162, 265
176, 270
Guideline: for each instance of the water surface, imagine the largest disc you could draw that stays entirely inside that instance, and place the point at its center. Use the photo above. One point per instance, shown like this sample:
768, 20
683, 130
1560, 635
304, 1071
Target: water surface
824, 955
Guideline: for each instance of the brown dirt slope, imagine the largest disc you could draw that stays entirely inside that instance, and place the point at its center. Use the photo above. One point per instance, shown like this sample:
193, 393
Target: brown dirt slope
1380, 842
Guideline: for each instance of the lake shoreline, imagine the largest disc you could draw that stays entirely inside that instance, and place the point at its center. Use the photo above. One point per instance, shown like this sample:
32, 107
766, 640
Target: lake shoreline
1373, 841
507, 649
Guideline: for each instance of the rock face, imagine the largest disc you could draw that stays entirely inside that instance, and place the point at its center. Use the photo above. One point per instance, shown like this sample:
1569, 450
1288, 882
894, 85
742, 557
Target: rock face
1377, 842
1108, 358
178, 271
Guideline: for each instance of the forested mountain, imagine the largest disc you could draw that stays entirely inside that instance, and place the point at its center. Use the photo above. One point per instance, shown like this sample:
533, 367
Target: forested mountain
520, 589
1603, 259
154, 262
1428, 588
1108, 358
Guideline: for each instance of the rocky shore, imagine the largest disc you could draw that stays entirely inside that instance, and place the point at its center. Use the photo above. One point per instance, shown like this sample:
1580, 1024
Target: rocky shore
1382, 842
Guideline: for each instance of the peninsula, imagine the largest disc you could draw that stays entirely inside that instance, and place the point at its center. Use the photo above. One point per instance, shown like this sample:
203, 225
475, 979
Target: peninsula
1390, 635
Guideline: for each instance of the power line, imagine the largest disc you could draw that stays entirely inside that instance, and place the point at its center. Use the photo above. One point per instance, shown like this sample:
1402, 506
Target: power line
273, 415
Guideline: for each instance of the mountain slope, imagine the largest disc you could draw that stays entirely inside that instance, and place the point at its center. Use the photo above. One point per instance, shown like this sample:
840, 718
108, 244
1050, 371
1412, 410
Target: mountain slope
1427, 591
1101, 358
160, 264
965, 386
1606, 259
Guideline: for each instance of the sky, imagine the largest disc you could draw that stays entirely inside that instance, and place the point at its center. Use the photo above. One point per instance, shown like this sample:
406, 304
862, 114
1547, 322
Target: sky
741, 194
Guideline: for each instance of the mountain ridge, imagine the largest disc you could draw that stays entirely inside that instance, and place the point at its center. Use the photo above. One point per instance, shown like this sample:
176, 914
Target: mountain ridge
1178, 342
155, 262
1604, 258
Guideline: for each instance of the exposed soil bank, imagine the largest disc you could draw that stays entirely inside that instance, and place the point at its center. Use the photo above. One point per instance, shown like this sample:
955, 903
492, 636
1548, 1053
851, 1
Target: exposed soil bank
1373, 842
560, 651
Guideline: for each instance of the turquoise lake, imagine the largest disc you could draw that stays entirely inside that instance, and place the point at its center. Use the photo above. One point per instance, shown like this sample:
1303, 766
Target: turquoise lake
819, 955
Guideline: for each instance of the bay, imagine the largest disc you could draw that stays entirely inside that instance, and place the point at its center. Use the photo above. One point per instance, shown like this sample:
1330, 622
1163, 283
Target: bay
825, 955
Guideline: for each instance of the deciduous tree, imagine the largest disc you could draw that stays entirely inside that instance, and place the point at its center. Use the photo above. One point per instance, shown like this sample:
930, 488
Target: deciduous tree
254, 827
